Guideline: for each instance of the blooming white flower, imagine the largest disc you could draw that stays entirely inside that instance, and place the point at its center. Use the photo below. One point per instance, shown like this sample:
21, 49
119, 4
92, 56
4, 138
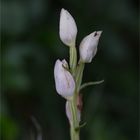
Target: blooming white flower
68, 112
67, 28
64, 82
88, 46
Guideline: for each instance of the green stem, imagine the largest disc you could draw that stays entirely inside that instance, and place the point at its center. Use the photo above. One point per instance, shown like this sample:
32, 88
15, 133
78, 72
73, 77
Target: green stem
74, 134
79, 75
73, 59
73, 103
74, 122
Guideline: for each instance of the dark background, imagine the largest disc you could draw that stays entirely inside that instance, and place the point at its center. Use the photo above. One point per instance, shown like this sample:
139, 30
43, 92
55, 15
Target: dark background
30, 45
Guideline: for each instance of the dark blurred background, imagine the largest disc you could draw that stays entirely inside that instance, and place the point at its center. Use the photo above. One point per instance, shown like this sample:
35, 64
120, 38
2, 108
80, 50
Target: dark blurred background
30, 45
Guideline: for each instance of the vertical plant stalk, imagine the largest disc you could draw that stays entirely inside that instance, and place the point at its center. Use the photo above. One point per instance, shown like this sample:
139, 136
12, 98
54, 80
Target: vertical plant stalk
77, 72
73, 102
79, 75
73, 59
74, 122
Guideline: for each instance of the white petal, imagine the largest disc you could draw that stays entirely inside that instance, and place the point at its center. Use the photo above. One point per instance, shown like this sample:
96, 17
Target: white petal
64, 82
88, 46
67, 28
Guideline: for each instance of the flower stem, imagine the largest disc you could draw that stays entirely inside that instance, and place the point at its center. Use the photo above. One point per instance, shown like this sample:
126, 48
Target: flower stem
73, 59
79, 75
74, 134
74, 122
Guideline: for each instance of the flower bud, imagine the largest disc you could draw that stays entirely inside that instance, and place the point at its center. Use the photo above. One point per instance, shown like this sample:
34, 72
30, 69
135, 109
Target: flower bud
88, 46
69, 114
64, 82
67, 28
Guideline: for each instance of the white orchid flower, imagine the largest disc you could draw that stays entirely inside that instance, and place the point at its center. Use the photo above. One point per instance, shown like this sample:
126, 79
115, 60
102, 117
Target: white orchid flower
64, 82
67, 28
88, 46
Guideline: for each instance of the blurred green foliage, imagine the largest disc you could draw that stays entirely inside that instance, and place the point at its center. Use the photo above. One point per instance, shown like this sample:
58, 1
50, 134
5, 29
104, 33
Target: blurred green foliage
30, 45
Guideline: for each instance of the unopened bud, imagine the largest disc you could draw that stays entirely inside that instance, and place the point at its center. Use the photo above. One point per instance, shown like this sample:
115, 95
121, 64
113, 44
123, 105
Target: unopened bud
88, 46
64, 82
67, 28
69, 114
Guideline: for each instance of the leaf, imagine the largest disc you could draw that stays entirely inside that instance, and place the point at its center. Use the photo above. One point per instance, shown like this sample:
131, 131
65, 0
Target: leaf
91, 84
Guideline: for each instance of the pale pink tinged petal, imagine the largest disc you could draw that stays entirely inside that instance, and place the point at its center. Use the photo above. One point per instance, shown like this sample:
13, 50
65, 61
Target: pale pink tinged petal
67, 28
88, 46
64, 82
